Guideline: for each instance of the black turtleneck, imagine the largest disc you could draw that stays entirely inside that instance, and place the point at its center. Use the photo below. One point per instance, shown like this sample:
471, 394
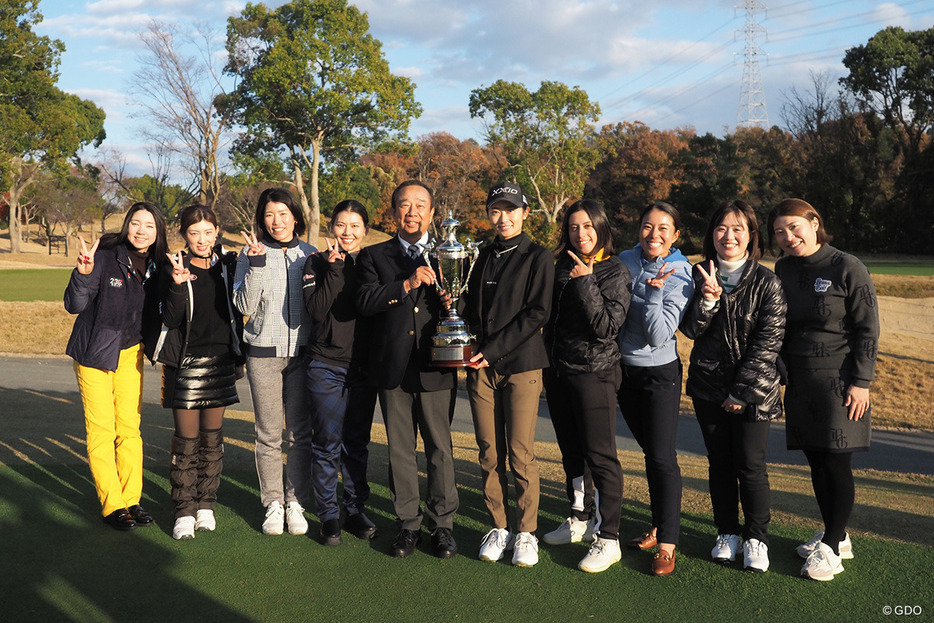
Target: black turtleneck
139, 261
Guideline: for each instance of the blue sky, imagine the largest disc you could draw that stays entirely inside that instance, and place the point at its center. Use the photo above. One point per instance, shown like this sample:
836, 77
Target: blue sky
668, 63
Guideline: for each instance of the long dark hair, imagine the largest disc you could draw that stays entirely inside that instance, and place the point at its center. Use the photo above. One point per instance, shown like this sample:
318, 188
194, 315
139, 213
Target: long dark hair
743, 209
277, 195
797, 207
157, 249
601, 225
349, 205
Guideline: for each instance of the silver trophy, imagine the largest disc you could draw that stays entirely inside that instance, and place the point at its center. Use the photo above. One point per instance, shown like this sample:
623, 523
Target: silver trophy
452, 345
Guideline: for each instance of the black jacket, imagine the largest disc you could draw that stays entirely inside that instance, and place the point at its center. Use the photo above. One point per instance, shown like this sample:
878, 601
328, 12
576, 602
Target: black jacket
330, 291
588, 313
736, 343
510, 336
113, 309
402, 323
176, 306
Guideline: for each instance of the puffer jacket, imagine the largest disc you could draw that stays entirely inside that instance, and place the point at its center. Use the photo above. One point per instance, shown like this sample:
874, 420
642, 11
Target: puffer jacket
587, 314
114, 309
177, 307
736, 343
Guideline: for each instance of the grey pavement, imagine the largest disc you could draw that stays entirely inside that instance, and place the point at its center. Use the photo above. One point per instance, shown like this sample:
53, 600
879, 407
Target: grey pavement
895, 451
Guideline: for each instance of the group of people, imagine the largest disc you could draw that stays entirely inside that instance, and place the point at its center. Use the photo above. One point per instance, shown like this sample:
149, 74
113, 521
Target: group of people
329, 333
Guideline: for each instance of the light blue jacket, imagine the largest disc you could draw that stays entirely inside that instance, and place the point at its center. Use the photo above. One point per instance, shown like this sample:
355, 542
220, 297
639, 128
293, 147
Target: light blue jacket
648, 337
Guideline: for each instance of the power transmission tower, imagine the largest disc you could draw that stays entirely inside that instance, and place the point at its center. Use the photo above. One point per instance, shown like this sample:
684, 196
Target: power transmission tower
752, 111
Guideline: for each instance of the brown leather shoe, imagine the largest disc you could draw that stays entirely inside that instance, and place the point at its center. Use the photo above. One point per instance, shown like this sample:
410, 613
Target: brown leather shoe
645, 541
663, 563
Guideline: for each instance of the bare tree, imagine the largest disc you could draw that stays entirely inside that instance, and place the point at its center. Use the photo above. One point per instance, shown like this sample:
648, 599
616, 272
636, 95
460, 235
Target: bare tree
175, 88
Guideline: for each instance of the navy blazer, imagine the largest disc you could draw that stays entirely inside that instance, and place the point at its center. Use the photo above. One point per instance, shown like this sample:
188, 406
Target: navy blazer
403, 323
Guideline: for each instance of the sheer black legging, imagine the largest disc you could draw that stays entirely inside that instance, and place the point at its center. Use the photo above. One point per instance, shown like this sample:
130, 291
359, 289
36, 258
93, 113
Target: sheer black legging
190, 422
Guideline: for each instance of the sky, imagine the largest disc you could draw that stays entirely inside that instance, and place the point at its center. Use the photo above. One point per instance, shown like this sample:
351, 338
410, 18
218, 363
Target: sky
668, 63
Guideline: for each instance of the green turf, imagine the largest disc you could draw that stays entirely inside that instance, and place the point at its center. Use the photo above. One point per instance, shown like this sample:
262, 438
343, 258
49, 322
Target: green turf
33, 285
922, 269
59, 562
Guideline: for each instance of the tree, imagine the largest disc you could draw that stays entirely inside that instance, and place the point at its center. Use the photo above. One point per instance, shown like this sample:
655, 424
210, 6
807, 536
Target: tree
459, 173
42, 127
177, 84
893, 75
314, 86
545, 136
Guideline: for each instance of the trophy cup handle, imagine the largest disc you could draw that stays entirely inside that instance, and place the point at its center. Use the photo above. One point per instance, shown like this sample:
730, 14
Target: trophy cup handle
427, 251
474, 254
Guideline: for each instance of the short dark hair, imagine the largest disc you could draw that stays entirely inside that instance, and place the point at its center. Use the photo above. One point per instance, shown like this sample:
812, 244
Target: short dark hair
667, 208
734, 207
797, 207
406, 184
193, 214
349, 205
601, 225
157, 250
278, 195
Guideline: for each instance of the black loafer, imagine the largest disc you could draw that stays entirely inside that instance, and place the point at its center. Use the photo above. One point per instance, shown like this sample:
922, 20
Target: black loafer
360, 526
443, 543
120, 519
405, 543
140, 515
331, 532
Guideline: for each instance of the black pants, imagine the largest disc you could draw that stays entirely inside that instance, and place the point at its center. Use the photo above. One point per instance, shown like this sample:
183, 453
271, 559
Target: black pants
835, 490
649, 398
736, 455
583, 412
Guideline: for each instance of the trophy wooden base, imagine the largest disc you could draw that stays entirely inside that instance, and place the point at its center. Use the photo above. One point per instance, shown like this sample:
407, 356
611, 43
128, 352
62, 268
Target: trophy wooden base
454, 356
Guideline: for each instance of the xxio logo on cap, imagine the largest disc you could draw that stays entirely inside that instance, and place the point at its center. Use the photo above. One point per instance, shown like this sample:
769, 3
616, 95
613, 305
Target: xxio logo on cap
511, 191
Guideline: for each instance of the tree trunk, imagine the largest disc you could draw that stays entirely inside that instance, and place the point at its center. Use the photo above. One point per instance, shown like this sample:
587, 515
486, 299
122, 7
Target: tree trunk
298, 180
314, 223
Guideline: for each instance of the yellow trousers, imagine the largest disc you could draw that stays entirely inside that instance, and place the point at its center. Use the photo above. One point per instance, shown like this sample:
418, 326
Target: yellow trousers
112, 417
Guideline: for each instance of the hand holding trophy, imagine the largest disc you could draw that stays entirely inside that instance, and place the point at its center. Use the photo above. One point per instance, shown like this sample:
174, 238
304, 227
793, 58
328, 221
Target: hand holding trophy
453, 345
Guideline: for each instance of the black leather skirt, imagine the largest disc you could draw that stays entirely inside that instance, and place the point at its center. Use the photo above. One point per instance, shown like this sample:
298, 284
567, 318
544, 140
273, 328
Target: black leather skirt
201, 383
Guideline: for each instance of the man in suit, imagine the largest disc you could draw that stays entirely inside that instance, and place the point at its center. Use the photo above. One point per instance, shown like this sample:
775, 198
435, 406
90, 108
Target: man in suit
397, 290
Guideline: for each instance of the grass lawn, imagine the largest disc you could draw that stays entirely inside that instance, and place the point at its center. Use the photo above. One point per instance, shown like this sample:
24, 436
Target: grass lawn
59, 562
33, 285
919, 268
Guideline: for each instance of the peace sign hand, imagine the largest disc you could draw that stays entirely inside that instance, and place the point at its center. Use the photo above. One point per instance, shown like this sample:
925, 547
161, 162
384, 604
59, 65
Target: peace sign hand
711, 289
580, 269
86, 256
180, 274
658, 281
253, 245
334, 251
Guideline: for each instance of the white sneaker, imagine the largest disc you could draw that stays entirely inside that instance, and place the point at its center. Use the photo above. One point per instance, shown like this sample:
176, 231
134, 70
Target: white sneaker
295, 518
525, 550
184, 528
845, 547
494, 544
822, 564
755, 556
602, 555
274, 519
726, 548
573, 530
204, 520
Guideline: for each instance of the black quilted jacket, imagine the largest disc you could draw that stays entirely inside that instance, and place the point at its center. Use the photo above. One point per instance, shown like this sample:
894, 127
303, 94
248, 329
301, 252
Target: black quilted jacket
587, 315
736, 343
